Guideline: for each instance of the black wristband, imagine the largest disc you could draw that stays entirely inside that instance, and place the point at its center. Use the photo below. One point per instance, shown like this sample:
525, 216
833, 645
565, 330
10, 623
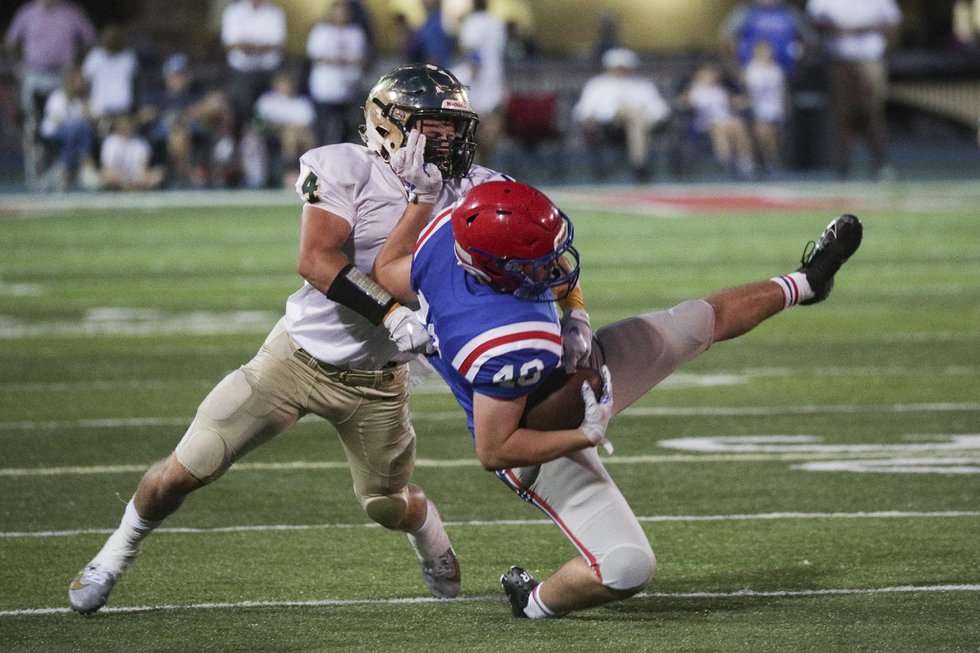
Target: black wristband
353, 289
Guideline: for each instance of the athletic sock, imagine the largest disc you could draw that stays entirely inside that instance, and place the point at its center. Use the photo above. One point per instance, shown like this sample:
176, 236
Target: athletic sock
795, 288
535, 608
431, 540
124, 544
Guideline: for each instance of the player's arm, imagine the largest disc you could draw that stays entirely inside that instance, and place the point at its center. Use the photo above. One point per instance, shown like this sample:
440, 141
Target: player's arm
576, 329
322, 234
393, 265
322, 263
501, 442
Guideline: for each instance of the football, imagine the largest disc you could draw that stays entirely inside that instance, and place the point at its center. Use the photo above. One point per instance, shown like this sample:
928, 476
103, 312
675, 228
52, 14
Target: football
557, 403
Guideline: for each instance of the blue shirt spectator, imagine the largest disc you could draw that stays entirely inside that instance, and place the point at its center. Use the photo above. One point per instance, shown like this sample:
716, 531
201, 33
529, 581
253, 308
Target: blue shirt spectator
436, 45
771, 21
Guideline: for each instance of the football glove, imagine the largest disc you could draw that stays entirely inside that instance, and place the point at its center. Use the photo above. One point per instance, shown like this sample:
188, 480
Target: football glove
424, 181
576, 338
598, 413
408, 331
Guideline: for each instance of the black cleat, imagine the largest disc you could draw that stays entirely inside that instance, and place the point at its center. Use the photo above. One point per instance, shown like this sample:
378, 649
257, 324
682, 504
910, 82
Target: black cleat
822, 260
517, 584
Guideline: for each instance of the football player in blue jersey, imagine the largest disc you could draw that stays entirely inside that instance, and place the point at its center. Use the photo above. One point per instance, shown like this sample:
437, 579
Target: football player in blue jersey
486, 273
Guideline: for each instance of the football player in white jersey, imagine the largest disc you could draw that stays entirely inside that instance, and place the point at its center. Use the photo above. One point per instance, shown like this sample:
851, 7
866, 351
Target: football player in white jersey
486, 271
340, 350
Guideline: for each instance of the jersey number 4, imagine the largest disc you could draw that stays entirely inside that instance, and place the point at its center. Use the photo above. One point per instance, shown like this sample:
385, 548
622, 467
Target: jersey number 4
530, 374
310, 189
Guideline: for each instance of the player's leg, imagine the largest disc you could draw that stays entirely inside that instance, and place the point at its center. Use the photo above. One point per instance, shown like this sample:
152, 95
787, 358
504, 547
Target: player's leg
615, 559
642, 351
372, 419
247, 408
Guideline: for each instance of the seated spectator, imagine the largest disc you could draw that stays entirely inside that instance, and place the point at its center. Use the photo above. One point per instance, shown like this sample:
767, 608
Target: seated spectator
765, 82
619, 102
338, 51
67, 125
125, 159
169, 125
110, 69
714, 115
287, 119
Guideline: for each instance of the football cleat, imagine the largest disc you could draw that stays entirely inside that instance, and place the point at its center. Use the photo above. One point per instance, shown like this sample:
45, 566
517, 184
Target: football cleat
822, 260
518, 584
442, 575
89, 591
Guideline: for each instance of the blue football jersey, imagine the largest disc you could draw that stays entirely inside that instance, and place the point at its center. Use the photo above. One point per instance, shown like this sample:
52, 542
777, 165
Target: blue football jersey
489, 342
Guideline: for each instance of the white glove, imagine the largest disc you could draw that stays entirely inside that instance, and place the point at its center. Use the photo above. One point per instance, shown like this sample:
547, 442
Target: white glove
423, 179
576, 338
598, 413
408, 331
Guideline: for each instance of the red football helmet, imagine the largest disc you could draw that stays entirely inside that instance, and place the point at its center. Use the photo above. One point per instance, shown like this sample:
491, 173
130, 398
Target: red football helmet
511, 236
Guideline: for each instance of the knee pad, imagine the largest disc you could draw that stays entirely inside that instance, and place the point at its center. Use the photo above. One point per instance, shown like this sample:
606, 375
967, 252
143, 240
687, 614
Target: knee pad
628, 567
388, 510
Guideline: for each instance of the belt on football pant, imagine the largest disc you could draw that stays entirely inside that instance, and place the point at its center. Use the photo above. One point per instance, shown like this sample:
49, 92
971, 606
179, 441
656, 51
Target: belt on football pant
367, 378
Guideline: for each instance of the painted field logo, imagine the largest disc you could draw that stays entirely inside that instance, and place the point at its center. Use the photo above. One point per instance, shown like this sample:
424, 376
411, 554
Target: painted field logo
918, 452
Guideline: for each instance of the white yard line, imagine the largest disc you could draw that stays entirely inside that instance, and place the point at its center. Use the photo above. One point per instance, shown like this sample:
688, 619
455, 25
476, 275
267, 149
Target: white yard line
636, 411
767, 516
340, 603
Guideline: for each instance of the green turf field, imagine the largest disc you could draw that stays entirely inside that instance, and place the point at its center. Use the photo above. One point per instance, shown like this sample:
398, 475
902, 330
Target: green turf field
812, 486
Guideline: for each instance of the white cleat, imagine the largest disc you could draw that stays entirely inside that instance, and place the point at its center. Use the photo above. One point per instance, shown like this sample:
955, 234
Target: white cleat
90, 589
442, 575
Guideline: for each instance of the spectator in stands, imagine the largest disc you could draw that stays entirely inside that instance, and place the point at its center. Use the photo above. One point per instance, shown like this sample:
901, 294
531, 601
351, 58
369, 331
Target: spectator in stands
607, 35
407, 37
620, 103
781, 26
856, 37
716, 113
765, 83
110, 68
173, 123
482, 49
254, 35
50, 36
338, 50
521, 45
436, 44
287, 120
67, 125
125, 159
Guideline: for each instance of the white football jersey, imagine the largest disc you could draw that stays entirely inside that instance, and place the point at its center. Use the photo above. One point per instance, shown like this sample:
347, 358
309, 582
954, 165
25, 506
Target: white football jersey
357, 185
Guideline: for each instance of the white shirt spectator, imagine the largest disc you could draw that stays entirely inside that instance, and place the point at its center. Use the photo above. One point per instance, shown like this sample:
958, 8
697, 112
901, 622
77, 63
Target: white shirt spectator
110, 75
127, 157
265, 24
483, 41
710, 104
286, 111
605, 95
766, 84
337, 53
863, 22
60, 109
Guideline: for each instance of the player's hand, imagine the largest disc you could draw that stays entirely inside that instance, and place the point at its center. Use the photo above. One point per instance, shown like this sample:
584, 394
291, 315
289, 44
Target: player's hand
423, 179
576, 338
408, 331
598, 413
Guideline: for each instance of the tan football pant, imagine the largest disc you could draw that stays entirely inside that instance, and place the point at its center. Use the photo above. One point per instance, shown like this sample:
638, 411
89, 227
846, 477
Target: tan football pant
264, 397
575, 491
